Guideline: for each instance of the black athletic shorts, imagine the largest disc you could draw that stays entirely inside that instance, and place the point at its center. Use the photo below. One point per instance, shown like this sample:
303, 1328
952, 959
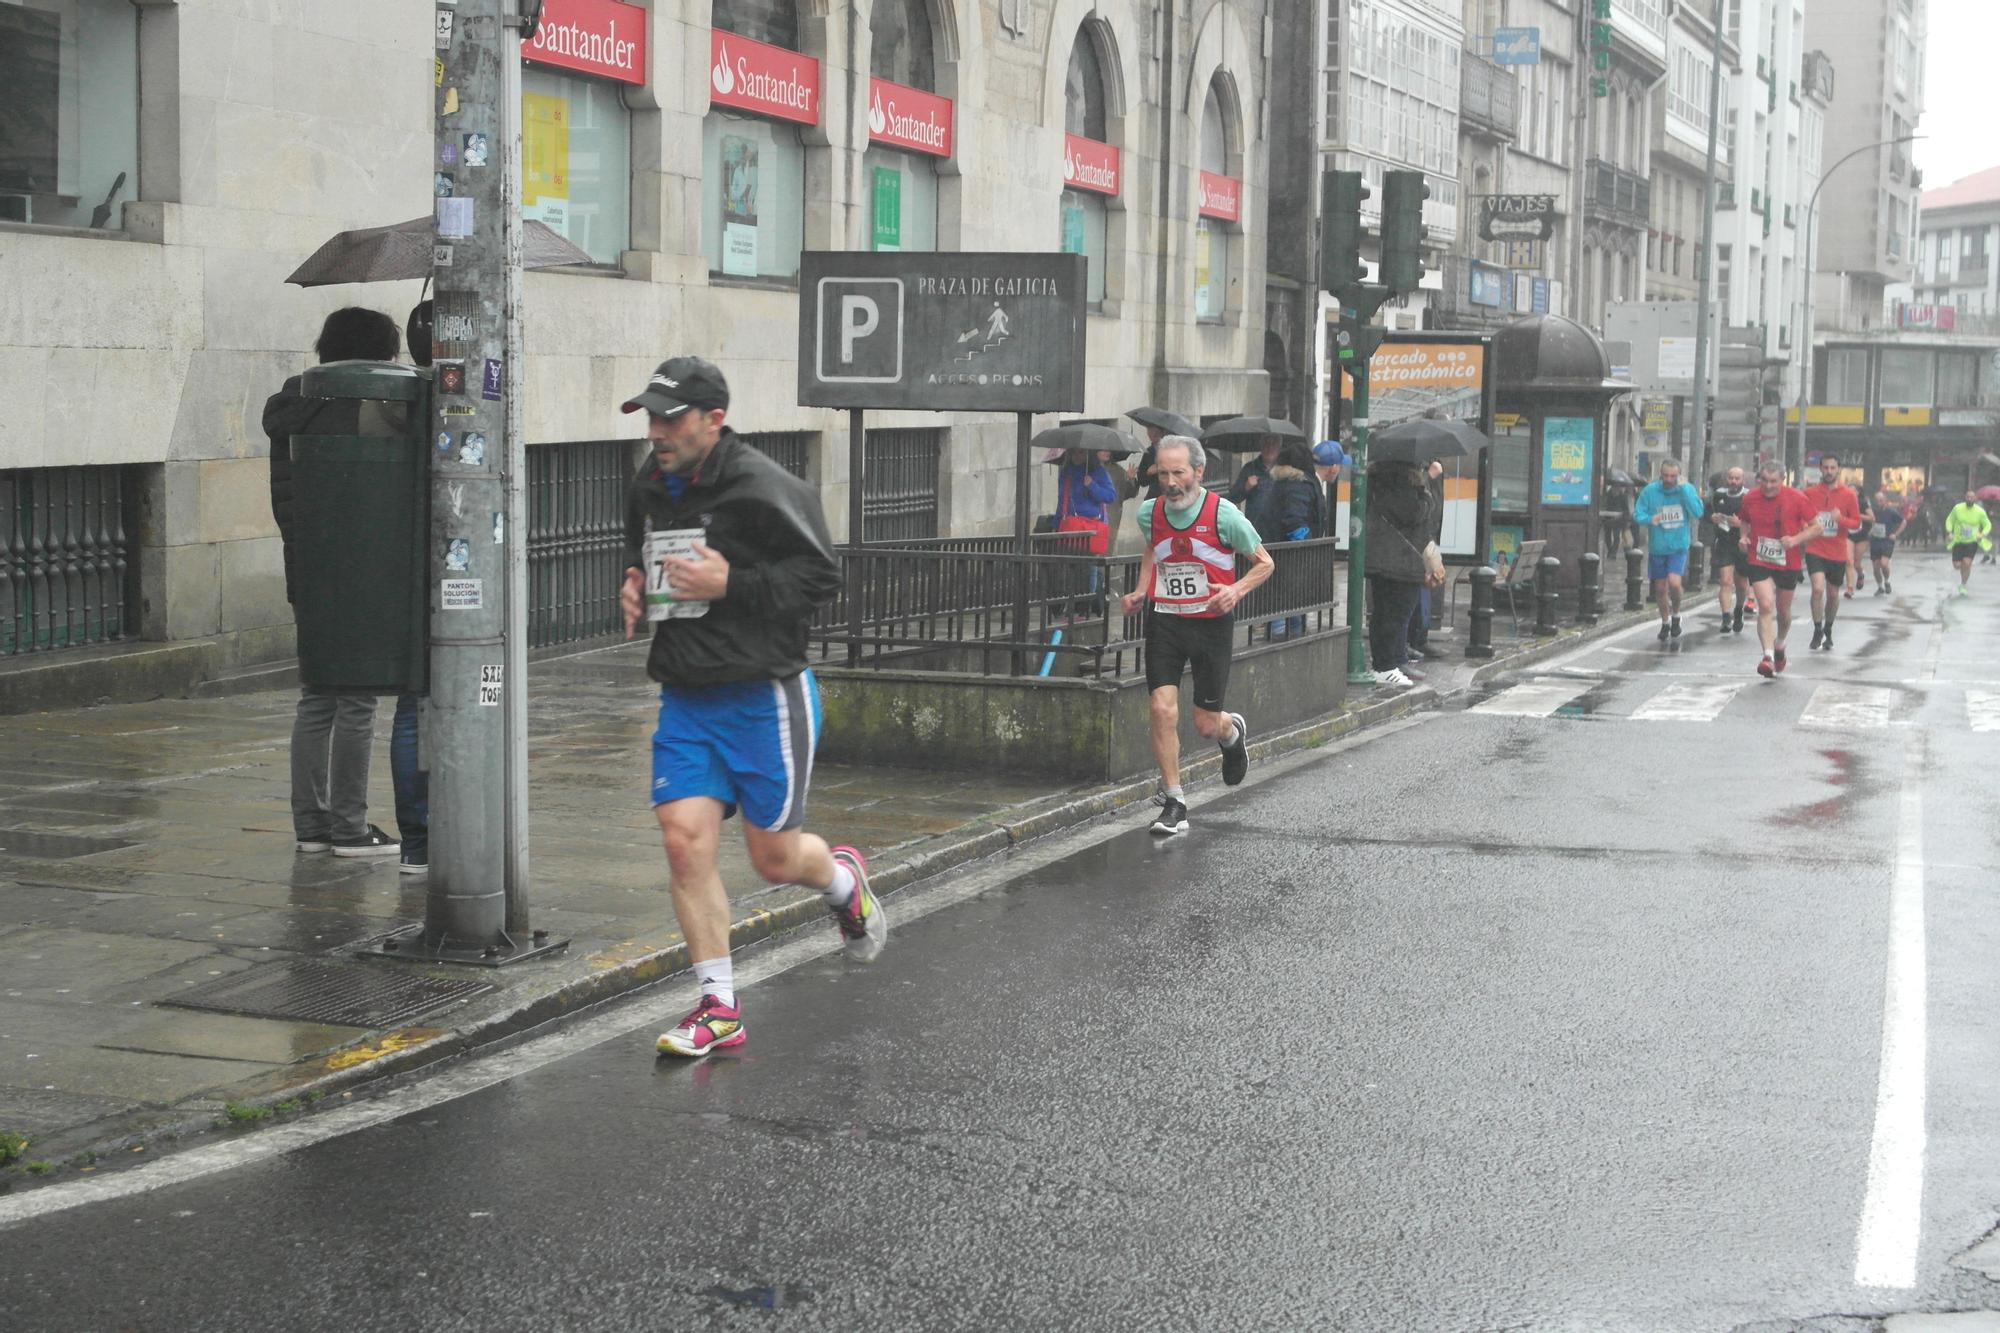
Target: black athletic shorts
1964, 550
1175, 643
1731, 557
1784, 578
1835, 570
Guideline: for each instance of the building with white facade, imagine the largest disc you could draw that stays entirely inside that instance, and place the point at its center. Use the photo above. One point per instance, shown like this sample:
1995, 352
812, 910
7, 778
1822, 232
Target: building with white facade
165, 164
1958, 238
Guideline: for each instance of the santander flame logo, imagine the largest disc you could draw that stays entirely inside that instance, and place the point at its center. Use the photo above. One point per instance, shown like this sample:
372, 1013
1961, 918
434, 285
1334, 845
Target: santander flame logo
722, 77
877, 122
1069, 167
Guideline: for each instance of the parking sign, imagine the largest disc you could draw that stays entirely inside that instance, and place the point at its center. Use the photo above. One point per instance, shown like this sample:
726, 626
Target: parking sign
859, 333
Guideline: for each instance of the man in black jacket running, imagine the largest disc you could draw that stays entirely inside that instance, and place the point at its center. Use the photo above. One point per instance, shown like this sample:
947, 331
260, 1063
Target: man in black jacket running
729, 555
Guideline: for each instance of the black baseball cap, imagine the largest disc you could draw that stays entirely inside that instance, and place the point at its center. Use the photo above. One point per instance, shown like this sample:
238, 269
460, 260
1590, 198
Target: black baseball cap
679, 383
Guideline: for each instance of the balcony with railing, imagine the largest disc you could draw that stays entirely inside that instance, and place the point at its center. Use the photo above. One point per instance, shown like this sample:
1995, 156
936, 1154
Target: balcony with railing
1615, 194
1487, 96
1973, 268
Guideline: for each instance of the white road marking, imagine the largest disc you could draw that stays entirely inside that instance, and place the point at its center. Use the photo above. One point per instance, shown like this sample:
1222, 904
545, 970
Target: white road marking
1536, 698
1892, 1209
648, 1008
1848, 708
1687, 703
1982, 709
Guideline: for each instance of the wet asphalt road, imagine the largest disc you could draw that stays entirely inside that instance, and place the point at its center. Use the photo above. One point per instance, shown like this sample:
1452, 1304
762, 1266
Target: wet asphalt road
1565, 1019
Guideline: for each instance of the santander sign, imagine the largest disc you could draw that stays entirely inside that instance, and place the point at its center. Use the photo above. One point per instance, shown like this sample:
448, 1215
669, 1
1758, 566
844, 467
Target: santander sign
1089, 165
908, 118
1221, 197
769, 80
602, 37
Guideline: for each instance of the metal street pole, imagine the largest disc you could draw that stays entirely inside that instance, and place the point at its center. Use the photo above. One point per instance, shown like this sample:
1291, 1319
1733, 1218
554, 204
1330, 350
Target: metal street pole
476, 908
1357, 518
1698, 435
1809, 269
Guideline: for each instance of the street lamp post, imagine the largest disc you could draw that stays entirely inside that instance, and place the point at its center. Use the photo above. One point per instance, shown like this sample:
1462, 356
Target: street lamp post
1809, 268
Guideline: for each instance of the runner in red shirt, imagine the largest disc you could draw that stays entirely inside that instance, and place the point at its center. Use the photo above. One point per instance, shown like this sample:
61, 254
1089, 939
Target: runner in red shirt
1838, 513
1777, 521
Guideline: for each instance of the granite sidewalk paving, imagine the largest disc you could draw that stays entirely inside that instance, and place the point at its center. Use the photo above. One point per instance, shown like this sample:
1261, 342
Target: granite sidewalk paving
146, 852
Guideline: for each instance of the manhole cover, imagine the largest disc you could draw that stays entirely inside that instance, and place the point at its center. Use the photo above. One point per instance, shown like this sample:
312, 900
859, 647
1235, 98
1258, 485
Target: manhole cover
309, 992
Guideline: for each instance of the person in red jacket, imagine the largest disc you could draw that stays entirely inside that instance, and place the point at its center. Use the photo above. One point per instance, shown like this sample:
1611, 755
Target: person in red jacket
1838, 513
1777, 520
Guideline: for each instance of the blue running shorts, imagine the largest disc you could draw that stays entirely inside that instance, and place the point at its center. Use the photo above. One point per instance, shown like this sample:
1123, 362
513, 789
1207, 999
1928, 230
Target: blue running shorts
1668, 562
747, 744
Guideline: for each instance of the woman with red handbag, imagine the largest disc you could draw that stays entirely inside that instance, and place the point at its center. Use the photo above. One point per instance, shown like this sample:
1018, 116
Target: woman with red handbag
1084, 495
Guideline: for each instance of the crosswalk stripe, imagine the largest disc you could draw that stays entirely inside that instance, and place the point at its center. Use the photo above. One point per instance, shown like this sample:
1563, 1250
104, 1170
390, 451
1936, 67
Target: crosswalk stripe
1687, 703
1537, 698
1848, 708
1982, 707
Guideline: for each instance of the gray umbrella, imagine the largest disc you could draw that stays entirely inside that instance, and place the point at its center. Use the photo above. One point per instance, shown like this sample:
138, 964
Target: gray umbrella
403, 251
1242, 434
1086, 435
1423, 439
1173, 423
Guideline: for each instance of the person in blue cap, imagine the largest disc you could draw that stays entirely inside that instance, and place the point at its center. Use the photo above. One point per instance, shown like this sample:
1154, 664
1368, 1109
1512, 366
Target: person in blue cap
1328, 461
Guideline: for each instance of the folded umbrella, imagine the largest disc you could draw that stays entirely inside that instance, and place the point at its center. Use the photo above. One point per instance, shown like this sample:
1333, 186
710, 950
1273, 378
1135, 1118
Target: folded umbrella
1173, 423
1083, 435
1243, 434
403, 251
1422, 439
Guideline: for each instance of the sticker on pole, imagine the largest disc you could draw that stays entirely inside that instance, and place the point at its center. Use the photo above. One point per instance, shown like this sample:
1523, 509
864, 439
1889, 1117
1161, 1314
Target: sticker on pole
673, 544
490, 679
461, 594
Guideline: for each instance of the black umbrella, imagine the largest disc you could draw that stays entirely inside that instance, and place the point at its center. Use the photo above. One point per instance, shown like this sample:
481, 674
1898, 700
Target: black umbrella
1423, 439
1086, 435
1173, 423
1243, 434
404, 251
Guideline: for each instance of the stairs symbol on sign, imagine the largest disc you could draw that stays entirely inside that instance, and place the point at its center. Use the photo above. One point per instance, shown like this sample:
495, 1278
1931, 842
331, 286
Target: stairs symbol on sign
989, 333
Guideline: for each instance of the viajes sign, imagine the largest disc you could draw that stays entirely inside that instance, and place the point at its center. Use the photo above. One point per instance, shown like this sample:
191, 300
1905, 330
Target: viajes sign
1517, 217
602, 37
769, 80
908, 118
941, 332
1089, 165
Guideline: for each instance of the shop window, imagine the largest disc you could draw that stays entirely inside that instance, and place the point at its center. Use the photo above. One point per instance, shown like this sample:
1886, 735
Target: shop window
1906, 377
909, 128
1846, 377
1084, 223
1958, 375
903, 199
69, 122
1090, 165
753, 197
1218, 206
576, 160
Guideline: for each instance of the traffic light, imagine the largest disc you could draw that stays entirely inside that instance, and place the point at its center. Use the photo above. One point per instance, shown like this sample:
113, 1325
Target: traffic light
1403, 195
1341, 193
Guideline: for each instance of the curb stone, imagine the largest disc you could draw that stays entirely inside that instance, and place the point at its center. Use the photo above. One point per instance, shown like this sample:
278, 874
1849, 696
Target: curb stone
384, 1056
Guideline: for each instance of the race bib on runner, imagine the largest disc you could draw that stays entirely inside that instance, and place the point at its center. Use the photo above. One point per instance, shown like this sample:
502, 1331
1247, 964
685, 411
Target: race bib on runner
1879, 531
1182, 582
673, 544
1672, 516
1829, 522
1770, 550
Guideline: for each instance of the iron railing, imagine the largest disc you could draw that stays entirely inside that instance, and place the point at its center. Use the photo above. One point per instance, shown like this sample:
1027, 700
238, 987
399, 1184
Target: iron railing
988, 612
899, 495
576, 538
67, 573
789, 449
1487, 94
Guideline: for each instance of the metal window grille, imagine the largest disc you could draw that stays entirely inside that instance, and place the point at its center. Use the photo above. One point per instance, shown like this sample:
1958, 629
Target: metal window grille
576, 538
899, 497
789, 449
66, 570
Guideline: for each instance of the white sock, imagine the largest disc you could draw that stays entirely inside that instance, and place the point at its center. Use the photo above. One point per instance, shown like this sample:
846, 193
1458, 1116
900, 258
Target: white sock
718, 978
1176, 793
841, 892
1228, 738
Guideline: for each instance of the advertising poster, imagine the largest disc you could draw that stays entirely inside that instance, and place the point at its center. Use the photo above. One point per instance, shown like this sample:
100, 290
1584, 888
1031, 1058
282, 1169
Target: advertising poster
1202, 268
1072, 228
545, 160
739, 207
1567, 443
1430, 379
888, 208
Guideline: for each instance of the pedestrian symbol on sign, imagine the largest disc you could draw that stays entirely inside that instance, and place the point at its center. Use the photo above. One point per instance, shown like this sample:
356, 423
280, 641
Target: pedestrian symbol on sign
860, 330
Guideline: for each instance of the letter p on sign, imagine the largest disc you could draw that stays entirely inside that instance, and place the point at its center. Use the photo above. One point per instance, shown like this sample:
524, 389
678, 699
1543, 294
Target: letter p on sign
859, 338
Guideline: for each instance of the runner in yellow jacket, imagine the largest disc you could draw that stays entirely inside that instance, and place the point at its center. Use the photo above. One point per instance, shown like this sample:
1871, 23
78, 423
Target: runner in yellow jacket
1969, 531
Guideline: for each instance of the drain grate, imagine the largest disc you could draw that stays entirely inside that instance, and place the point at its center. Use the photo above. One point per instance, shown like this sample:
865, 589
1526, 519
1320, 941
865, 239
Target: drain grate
312, 992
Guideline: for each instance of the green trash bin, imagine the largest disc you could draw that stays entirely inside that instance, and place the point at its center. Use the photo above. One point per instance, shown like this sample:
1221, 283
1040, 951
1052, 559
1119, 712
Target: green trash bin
362, 500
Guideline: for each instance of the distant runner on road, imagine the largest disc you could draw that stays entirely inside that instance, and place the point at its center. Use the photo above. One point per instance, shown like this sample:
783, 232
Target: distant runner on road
1732, 567
1838, 513
729, 555
1969, 531
1667, 509
1188, 575
1777, 521
1882, 539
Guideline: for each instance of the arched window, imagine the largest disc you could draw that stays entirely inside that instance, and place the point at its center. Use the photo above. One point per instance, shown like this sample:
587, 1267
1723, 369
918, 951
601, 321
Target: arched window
909, 127
1218, 209
1090, 164
753, 157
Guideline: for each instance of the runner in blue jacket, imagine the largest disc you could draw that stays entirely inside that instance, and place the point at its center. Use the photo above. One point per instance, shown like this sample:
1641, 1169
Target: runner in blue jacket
1667, 510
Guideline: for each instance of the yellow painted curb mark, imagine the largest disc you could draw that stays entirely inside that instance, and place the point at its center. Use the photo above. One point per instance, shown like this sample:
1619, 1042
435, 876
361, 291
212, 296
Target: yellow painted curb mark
375, 1050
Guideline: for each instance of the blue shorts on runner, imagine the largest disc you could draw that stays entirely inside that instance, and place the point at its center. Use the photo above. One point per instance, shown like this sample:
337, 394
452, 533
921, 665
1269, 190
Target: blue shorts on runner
1667, 562
747, 744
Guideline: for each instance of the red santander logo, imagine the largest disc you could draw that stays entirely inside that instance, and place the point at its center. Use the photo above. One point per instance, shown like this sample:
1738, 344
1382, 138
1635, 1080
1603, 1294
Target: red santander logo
1089, 165
759, 77
601, 37
909, 118
1221, 197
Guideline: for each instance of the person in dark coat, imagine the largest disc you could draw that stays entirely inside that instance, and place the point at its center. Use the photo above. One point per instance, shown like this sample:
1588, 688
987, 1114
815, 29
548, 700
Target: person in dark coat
1398, 526
1420, 619
332, 733
1286, 506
